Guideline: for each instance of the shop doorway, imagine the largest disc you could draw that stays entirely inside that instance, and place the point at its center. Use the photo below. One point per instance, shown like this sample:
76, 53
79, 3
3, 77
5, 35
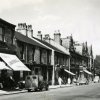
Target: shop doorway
37, 70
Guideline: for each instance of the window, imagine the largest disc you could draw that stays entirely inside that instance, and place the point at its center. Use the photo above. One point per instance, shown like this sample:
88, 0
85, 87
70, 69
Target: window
37, 70
44, 57
8, 36
1, 32
30, 54
21, 50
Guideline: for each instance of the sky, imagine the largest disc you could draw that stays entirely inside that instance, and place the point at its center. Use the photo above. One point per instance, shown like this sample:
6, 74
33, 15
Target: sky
81, 18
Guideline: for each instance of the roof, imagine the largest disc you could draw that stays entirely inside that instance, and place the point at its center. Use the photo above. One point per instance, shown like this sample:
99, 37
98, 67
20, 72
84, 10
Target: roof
66, 42
28, 40
3, 21
52, 46
78, 49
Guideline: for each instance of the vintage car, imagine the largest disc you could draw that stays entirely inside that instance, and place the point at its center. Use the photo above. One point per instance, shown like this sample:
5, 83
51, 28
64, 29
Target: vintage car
35, 82
83, 81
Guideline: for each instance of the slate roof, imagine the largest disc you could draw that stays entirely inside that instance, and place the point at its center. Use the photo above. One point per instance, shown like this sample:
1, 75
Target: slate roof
37, 42
3, 21
28, 40
78, 49
67, 40
51, 46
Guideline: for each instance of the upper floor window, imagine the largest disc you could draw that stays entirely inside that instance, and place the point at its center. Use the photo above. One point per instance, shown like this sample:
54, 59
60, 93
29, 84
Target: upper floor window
8, 36
1, 32
30, 54
44, 57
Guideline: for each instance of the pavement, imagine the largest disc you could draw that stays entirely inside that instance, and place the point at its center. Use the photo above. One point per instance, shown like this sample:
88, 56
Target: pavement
10, 92
17, 91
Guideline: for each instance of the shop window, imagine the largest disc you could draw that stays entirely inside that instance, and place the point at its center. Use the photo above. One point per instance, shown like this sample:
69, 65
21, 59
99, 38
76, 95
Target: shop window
37, 70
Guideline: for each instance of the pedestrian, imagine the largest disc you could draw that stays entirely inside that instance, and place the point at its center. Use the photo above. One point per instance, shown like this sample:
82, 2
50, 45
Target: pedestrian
69, 81
60, 81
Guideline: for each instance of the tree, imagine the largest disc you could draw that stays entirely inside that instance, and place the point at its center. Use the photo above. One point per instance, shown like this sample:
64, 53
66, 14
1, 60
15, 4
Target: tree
97, 65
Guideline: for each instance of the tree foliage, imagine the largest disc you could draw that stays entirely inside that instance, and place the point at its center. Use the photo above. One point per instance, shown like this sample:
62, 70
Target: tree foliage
97, 65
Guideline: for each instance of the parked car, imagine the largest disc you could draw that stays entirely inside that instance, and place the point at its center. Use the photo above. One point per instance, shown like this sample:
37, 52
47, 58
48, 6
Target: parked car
35, 82
83, 81
96, 79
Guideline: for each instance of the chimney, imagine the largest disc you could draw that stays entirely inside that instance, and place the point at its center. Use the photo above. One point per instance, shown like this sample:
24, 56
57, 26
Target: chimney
22, 28
57, 37
29, 31
47, 38
39, 35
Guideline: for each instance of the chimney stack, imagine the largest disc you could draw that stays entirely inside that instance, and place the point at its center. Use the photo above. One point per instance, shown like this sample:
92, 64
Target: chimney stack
22, 28
25, 29
29, 31
57, 37
47, 38
39, 35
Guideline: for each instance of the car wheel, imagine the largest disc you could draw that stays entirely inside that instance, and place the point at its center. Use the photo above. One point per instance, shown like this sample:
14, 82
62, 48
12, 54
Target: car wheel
47, 89
29, 90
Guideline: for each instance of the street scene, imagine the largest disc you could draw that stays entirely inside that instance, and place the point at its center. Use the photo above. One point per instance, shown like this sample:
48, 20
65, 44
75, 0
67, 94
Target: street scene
49, 50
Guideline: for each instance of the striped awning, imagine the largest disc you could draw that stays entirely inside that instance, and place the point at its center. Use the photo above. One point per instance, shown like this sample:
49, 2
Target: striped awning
3, 66
86, 71
13, 62
69, 72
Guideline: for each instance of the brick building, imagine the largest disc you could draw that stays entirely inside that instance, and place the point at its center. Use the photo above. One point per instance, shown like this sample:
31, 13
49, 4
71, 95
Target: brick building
33, 53
9, 62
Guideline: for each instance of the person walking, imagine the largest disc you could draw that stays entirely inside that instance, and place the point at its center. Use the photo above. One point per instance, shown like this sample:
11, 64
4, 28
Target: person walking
69, 81
60, 81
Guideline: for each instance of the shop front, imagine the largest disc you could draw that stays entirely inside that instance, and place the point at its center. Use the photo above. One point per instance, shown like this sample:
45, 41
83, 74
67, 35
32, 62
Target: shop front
11, 66
85, 74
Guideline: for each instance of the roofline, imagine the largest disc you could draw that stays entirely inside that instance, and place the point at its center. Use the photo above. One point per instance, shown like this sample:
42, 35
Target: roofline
36, 41
40, 43
51, 47
7, 22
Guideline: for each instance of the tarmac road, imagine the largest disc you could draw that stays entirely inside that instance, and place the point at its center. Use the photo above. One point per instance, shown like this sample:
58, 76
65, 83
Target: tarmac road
84, 92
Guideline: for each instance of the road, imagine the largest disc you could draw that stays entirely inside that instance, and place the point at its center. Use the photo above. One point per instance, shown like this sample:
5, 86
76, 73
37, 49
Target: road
84, 92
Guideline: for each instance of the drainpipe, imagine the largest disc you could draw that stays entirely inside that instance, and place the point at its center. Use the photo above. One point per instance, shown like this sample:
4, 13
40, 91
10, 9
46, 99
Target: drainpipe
53, 63
69, 64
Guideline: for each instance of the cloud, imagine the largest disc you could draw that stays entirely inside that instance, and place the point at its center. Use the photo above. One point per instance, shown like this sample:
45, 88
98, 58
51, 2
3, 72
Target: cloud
10, 4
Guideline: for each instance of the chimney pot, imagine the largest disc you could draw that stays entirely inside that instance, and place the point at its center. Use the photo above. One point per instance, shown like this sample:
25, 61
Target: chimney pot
39, 35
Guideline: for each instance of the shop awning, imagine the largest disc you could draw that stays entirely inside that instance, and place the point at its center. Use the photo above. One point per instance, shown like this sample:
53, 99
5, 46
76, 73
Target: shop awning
69, 72
13, 62
88, 72
3, 66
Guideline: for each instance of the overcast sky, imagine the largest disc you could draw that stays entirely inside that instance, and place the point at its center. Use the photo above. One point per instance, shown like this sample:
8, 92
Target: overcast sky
81, 18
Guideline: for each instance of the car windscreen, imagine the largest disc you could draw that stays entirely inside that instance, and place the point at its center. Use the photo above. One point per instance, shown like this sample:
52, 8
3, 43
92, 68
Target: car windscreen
34, 77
